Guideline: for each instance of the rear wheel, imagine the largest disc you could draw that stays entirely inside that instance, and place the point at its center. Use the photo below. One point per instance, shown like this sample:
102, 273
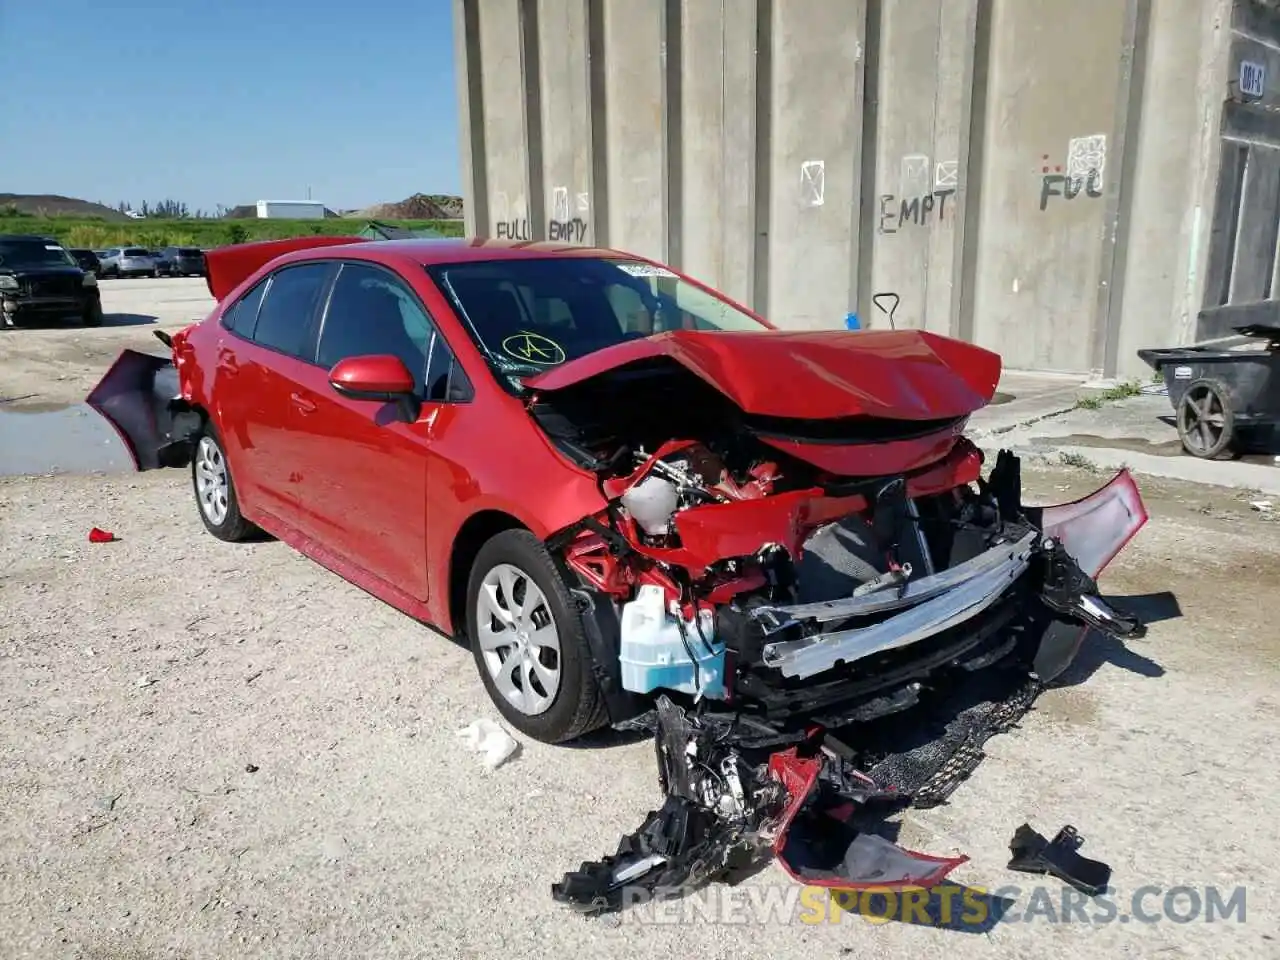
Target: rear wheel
214, 489
527, 638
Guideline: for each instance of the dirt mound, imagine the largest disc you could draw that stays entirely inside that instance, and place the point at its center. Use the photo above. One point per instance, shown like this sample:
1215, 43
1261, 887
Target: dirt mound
53, 205
420, 206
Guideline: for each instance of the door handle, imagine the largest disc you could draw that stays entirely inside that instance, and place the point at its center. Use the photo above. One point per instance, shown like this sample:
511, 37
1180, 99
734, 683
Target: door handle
228, 366
302, 403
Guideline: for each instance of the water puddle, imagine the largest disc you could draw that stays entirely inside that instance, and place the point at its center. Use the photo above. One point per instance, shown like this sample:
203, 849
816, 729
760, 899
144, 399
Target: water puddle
1161, 448
57, 438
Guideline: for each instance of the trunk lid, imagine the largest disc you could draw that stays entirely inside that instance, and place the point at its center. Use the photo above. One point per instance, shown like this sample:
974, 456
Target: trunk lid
227, 267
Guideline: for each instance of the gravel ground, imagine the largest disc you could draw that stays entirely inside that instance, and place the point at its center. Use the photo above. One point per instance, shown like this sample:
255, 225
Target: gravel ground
212, 750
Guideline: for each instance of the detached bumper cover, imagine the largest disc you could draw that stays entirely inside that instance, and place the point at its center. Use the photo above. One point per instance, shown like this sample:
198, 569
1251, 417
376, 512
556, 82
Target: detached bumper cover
139, 397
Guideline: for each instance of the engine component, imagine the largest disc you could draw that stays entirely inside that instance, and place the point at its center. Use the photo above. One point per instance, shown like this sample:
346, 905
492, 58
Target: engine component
652, 502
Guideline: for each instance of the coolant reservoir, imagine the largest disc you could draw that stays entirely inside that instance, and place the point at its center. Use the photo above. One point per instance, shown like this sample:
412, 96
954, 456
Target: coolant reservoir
652, 502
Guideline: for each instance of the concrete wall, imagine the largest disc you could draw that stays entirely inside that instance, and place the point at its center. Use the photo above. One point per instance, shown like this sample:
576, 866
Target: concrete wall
1039, 177
1242, 284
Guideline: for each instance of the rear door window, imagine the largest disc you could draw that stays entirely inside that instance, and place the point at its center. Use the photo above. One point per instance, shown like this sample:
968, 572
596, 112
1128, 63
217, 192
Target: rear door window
287, 313
240, 317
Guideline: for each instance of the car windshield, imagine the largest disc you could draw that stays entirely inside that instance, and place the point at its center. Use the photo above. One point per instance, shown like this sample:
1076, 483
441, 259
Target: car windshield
530, 315
33, 253
136, 252
188, 252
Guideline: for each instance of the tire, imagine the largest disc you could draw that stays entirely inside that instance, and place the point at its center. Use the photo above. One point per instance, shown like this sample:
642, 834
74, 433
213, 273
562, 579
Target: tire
576, 705
1206, 422
219, 514
92, 316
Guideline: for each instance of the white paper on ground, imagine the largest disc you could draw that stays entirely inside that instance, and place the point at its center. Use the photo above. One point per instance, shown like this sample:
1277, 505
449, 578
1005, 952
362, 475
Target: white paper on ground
489, 739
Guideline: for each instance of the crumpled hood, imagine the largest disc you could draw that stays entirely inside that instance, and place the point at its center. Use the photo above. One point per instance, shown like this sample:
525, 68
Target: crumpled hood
813, 374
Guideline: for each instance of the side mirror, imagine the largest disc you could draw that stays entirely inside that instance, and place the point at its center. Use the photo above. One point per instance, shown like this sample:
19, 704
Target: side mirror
376, 377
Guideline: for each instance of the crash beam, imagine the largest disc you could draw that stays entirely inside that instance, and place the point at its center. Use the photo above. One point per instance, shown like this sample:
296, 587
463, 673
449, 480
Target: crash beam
940, 602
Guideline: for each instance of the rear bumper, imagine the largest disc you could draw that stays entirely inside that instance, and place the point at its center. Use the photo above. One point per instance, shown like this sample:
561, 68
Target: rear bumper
140, 397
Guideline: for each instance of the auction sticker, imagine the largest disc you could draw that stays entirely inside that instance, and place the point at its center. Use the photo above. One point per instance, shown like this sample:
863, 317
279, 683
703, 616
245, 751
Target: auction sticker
533, 348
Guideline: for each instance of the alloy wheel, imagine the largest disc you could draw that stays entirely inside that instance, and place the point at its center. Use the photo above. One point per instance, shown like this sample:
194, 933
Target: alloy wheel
518, 639
212, 484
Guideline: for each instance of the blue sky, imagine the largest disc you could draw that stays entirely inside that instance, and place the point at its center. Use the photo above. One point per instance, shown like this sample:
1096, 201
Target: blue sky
228, 101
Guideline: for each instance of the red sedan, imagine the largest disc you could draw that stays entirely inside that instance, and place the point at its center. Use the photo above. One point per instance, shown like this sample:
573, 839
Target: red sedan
613, 481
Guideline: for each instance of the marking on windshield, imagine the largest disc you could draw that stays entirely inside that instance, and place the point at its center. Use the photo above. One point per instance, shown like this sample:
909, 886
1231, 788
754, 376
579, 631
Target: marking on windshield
534, 348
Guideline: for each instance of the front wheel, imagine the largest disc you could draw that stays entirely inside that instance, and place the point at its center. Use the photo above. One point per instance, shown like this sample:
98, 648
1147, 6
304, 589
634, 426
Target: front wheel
215, 491
527, 638
92, 316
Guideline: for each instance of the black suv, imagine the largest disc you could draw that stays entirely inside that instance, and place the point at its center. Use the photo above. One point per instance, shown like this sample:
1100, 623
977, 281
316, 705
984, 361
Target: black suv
40, 280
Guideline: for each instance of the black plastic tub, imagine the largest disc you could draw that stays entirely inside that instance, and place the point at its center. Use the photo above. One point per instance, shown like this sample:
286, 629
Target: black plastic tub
1225, 400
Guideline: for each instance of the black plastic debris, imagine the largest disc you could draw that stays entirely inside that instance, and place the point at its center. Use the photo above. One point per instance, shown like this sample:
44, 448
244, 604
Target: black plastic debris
677, 848
735, 795
1069, 591
1058, 857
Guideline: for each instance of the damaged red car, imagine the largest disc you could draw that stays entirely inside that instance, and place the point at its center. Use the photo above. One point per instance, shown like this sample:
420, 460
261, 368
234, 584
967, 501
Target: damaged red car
615, 483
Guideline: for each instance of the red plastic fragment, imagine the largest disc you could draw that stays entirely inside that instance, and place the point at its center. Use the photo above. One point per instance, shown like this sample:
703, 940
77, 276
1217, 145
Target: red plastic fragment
98, 535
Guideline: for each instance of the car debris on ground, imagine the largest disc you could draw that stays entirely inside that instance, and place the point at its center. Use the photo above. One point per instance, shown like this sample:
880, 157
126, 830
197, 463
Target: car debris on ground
1032, 853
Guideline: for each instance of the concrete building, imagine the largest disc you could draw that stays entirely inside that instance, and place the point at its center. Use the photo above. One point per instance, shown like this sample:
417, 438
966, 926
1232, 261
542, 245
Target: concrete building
1063, 182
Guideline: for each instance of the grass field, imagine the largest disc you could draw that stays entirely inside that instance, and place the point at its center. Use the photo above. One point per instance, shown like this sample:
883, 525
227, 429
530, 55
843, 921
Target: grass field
96, 234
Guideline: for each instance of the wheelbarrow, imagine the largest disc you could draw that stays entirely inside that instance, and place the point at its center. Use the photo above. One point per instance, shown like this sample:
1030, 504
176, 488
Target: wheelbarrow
1226, 400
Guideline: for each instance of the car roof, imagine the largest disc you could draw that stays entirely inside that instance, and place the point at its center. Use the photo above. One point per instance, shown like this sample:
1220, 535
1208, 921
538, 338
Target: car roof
27, 236
428, 252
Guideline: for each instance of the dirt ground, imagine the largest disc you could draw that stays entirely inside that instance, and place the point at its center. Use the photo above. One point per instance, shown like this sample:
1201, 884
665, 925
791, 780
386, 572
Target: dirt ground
212, 750
50, 366
145, 679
